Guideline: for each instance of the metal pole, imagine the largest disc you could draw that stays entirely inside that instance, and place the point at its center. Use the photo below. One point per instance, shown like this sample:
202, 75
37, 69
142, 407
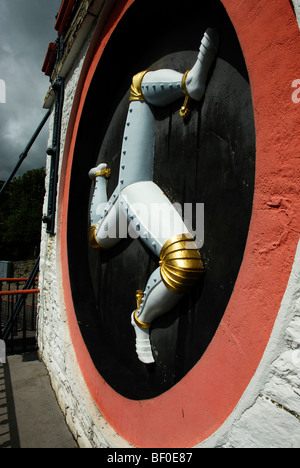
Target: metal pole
26, 151
54, 152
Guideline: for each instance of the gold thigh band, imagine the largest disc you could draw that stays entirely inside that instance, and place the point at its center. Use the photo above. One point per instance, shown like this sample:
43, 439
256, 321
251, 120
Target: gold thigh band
139, 300
136, 87
106, 173
144, 326
181, 265
93, 239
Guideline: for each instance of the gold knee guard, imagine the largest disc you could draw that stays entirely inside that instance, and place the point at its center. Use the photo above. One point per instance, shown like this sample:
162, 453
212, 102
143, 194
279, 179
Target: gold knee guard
136, 87
181, 265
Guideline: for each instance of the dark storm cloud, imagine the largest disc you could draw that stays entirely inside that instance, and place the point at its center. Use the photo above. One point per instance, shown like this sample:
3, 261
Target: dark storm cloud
26, 28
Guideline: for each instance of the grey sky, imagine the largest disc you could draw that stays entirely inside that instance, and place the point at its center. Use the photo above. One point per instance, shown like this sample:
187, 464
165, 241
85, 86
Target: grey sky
26, 28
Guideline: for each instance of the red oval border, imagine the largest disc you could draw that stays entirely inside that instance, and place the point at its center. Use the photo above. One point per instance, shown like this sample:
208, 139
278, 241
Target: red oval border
198, 405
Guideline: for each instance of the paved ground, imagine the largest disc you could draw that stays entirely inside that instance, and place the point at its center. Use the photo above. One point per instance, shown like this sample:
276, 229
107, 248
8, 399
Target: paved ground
29, 414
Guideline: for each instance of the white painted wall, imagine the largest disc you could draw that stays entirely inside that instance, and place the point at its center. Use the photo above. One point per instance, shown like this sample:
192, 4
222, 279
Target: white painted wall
55, 348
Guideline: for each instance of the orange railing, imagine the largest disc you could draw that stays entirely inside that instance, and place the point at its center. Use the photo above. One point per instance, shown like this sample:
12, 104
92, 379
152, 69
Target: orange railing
19, 292
18, 312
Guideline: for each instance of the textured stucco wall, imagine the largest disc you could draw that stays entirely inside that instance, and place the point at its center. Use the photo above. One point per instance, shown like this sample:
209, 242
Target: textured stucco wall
268, 415
55, 347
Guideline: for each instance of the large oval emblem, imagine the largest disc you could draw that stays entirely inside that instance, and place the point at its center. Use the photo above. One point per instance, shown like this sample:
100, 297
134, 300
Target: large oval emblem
208, 348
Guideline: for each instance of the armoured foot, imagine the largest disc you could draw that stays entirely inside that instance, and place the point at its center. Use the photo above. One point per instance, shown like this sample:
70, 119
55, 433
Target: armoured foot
143, 344
142, 333
197, 77
100, 171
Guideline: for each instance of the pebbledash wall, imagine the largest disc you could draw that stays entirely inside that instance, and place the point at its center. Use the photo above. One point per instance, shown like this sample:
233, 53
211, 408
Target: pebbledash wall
267, 413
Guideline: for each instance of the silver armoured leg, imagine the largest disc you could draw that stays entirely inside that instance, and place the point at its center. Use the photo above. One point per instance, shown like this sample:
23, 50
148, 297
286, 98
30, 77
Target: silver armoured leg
163, 231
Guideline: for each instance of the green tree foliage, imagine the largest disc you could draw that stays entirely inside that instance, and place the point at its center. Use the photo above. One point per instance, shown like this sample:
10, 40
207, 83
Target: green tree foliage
20, 216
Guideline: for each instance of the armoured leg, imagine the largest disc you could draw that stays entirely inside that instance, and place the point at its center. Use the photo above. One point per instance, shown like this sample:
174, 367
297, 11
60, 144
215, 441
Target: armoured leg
180, 269
162, 229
